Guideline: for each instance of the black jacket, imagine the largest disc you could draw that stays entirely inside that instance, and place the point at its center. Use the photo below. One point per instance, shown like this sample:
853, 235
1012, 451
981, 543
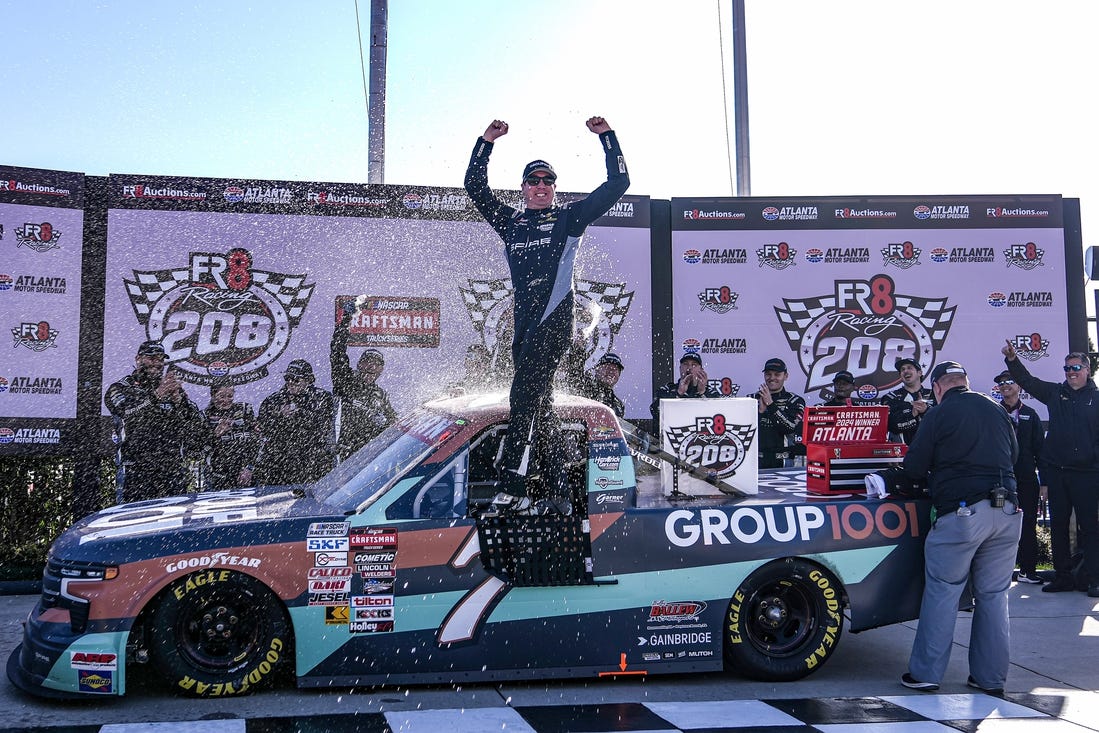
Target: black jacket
965, 447
780, 429
1073, 439
1032, 437
297, 446
363, 409
153, 433
903, 423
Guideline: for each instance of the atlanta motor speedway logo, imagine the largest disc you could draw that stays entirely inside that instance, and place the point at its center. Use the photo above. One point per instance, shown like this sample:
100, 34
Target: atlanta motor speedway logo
712, 444
218, 316
863, 322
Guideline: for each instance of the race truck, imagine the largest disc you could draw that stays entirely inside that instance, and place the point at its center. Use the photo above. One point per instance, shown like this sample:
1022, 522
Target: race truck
394, 570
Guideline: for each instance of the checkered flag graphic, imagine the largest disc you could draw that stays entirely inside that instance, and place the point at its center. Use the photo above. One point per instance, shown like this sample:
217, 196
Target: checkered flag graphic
676, 436
798, 314
148, 287
932, 313
481, 296
613, 298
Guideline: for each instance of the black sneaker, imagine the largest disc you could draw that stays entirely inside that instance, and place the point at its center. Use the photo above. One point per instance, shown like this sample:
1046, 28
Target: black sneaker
987, 690
1030, 577
914, 684
1093, 590
1060, 584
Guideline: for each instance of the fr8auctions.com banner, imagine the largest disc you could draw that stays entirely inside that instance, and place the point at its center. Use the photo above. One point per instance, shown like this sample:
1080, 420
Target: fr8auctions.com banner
41, 241
837, 284
238, 278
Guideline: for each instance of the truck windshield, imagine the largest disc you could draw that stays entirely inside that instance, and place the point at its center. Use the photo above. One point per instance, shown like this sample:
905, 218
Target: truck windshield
373, 469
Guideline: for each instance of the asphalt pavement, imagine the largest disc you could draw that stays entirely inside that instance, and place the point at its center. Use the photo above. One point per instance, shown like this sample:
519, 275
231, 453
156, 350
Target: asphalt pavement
1055, 669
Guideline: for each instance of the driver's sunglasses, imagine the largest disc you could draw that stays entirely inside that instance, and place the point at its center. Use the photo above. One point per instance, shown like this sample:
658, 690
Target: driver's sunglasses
1002, 382
1073, 367
535, 180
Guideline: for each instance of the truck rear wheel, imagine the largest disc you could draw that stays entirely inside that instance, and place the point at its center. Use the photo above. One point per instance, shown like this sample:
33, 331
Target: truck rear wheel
217, 633
784, 621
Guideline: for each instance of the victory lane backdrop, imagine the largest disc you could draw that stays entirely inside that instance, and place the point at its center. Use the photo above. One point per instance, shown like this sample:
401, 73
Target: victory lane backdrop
830, 284
41, 250
238, 278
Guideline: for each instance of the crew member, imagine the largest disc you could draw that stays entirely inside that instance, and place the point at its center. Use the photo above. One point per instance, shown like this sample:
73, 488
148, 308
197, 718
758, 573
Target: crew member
599, 385
297, 425
909, 402
843, 385
362, 407
1069, 463
1031, 437
155, 425
233, 441
693, 382
781, 415
966, 448
541, 243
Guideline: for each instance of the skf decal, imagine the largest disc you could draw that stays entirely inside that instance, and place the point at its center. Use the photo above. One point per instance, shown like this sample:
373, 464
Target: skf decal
901, 254
219, 316
39, 237
712, 444
1031, 347
1024, 256
35, 336
863, 326
600, 311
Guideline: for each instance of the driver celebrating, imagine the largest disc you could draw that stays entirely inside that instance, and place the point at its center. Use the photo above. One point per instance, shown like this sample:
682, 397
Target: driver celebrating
540, 243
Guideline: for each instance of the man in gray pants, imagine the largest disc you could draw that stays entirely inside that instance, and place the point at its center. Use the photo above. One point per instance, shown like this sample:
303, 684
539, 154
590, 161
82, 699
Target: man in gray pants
965, 448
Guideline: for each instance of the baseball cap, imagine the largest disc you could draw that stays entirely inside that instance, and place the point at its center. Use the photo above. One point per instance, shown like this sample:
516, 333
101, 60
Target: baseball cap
538, 165
370, 354
299, 369
907, 360
774, 365
844, 376
692, 356
1003, 376
151, 348
946, 367
612, 358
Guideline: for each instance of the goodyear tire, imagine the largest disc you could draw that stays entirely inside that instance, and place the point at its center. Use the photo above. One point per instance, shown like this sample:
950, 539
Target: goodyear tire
216, 633
784, 621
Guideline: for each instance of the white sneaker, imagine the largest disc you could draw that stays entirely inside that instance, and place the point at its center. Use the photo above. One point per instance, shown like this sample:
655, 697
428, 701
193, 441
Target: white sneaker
1029, 578
510, 504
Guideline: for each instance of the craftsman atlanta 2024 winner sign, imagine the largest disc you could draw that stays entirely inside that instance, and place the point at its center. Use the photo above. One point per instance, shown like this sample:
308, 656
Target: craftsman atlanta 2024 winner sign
843, 284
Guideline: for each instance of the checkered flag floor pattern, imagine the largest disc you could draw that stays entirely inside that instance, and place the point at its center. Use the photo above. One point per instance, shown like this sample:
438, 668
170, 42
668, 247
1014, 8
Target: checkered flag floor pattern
923, 713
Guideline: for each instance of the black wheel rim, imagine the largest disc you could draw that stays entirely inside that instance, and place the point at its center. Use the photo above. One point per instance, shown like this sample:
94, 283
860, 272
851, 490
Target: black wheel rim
219, 630
781, 619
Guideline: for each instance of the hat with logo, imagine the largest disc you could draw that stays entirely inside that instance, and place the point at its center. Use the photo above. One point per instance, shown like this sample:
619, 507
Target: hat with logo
1004, 376
946, 367
907, 360
844, 376
372, 354
612, 358
691, 356
538, 165
774, 365
299, 369
151, 348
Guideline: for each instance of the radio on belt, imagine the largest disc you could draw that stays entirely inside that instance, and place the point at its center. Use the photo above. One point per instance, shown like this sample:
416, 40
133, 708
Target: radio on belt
844, 444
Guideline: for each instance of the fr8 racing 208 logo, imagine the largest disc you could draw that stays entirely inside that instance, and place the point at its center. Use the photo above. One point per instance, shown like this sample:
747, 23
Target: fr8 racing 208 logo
219, 316
712, 443
863, 327
1031, 347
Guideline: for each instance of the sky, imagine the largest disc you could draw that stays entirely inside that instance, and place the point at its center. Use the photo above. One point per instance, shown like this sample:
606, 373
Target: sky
844, 97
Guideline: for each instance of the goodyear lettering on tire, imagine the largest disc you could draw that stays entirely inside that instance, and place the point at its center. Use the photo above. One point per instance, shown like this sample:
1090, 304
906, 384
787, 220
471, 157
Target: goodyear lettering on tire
252, 677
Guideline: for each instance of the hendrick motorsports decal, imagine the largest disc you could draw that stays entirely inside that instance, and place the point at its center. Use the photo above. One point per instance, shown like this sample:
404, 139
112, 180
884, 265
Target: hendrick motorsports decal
218, 316
864, 322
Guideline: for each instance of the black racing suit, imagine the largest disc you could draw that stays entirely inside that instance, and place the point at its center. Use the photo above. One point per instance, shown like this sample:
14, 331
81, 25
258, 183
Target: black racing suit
903, 423
232, 451
1069, 465
153, 436
670, 391
780, 429
1031, 436
296, 442
541, 247
363, 409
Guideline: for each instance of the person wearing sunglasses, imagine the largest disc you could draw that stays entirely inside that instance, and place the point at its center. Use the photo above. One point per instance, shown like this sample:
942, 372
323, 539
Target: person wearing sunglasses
296, 425
541, 241
1069, 463
1032, 437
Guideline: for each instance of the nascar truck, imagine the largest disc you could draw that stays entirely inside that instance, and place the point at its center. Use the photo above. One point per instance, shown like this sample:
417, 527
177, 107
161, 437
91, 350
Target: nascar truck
393, 570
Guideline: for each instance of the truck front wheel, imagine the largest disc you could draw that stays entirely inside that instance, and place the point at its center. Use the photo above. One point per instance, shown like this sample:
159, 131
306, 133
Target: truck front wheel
784, 621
